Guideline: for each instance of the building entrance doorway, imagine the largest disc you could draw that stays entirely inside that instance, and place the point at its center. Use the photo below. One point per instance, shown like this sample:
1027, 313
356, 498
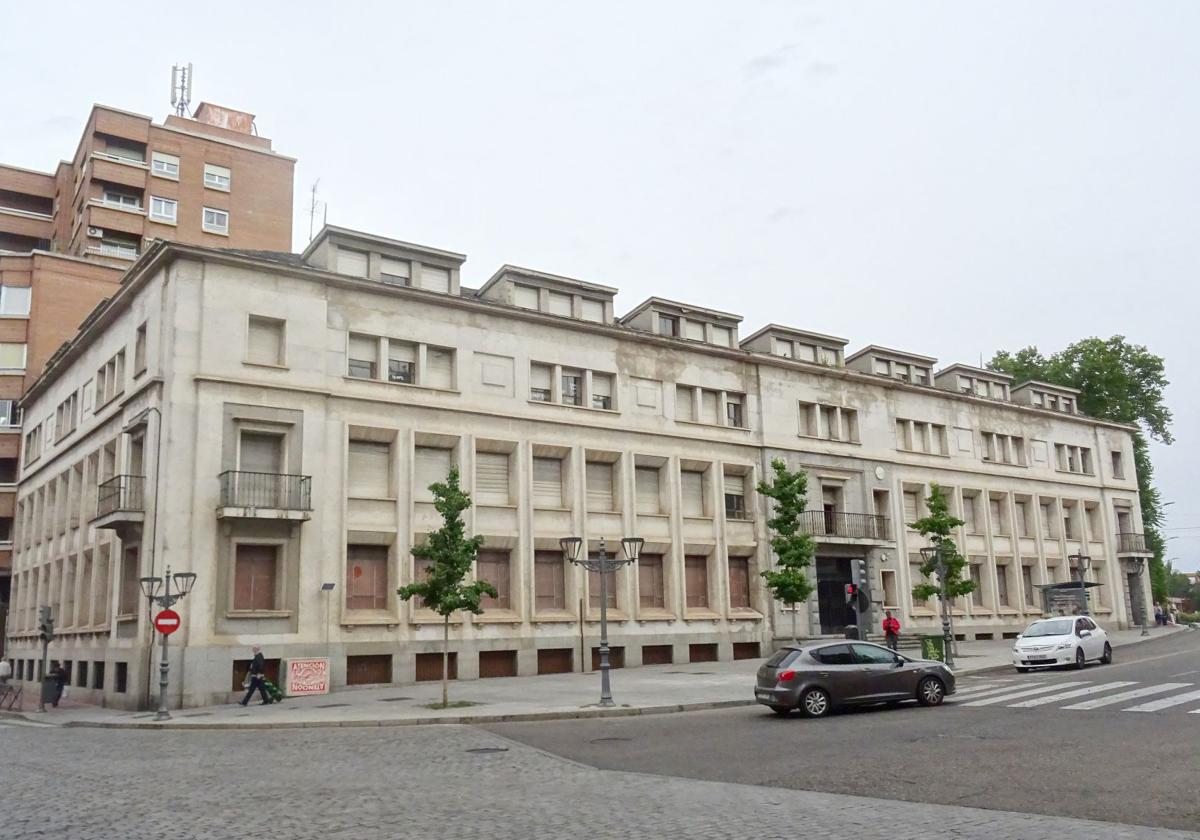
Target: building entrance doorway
833, 573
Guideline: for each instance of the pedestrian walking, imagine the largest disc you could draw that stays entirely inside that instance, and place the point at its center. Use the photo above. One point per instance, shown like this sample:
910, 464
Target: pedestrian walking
256, 678
1158, 615
891, 630
5, 674
59, 678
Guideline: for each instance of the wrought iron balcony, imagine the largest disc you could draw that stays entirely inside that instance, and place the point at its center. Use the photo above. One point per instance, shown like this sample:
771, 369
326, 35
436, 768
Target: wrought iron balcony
847, 526
120, 502
265, 495
1131, 543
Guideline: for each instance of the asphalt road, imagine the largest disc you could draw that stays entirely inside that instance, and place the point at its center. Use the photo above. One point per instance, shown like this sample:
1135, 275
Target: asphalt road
1102, 763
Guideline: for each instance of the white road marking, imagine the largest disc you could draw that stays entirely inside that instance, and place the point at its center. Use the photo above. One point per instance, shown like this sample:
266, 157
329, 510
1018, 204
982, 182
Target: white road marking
974, 689
958, 695
1185, 673
1165, 703
1014, 695
1067, 695
1127, 695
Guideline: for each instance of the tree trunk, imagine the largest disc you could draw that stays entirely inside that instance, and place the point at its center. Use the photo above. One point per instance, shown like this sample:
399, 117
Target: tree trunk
795, 639
445, 661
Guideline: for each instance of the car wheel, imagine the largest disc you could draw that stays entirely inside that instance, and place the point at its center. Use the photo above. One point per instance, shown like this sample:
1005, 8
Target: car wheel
1080, 659
815, 703
1021, 670
782, 711
1106, 659
931, 692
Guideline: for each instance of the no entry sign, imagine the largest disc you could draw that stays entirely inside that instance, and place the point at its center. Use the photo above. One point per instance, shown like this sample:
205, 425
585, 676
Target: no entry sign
166, 622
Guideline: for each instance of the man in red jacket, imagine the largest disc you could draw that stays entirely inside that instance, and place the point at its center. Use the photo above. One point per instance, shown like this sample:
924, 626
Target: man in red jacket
891, 630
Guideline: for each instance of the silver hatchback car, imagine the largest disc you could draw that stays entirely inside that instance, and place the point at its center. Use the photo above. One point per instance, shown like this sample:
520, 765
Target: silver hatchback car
818, 677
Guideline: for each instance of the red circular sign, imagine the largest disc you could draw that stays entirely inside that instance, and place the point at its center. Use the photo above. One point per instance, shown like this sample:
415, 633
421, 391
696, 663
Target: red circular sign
167, 622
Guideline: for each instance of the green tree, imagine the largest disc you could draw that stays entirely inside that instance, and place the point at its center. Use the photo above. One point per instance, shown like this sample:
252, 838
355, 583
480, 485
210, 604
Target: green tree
452, 554
1122, 382
794, 549
938, 525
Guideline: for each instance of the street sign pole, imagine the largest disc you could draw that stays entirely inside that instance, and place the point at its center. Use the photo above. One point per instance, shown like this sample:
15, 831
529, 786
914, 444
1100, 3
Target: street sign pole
46, 628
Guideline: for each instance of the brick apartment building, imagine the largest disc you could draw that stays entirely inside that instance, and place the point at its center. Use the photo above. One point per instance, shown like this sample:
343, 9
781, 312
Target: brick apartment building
67, 236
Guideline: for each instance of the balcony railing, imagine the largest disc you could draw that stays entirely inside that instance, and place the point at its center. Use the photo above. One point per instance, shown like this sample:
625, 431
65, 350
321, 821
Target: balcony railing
1130, 543
125, 493
265, 490
853, 526
108, 249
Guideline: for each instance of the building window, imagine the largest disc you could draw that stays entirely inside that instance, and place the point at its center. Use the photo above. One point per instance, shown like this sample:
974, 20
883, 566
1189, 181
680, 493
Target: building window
130, 594
110, 379
366, 577
1073, 459
648, 497
572, 387
118, 198
600, 496
1002, 585
8, 470
692, 492
12, 356
971, 514
977, 579
395, 272
734, 415
402, 362
526, 297
541, 378
494, 567
696, 581
264, 341
139, 350
996, 509
163, 209
216, 221
594, 588
1023, 524
550, 588
1118, 464
435, 279
709, 407
722, 336
255, 577
693, 330
439, 368
735, 496
352, 263
14, 300
560, 304
32, 448
602, 391
66, 417
363, 356
432, 466
650, 582
217, 177
592, 310
685, 406
369, 470
492, 479
829, 422
10, 414
6, 529
887, 577
668, 325
739, 583
547, 483
1047, 515
164, 165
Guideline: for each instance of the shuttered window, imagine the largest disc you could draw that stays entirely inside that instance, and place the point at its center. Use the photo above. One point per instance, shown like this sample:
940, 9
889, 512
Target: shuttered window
685, 408
594, 589
735, 496
420, 568
646, 479
549, 581
696, 572
739, 582
693, 330
369, 472
602, 390
547, 483
650, 581
363, 357
264, 341
541, 378
525, 297
254, 577
435, 279
395, 272
439, 368
593, 310
709, 407
366, 577
722, 336
560, 304
969, 514
1047, 531
600, 495
402, 362
911, 505
491, 478
353, 263
432, 465
494, 567
1023, 519
693, 493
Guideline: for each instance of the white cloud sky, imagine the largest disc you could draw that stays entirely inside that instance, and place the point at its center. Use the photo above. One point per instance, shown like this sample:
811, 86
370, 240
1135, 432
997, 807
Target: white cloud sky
946, 177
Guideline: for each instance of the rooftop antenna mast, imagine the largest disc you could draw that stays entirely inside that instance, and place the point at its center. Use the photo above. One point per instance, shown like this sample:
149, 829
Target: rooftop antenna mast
181, 89
312, 208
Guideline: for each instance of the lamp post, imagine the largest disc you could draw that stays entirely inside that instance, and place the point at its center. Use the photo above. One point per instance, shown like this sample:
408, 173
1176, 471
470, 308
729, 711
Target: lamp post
158, 592
602, 564
1084, 562
1141, 565
937, 554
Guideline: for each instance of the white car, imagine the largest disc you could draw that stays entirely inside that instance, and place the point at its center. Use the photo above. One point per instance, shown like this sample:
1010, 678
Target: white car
1067, 640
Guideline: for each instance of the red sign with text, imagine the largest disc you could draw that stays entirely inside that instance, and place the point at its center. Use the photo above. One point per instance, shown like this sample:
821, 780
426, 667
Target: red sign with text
166, 622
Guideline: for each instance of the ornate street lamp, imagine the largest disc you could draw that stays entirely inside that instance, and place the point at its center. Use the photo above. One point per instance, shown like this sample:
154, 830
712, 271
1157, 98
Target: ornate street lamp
151, 589
1084, 562
937, 554
602, 564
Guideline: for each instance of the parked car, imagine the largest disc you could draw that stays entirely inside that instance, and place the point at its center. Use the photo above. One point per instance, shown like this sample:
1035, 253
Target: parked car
819, 677
1066, 640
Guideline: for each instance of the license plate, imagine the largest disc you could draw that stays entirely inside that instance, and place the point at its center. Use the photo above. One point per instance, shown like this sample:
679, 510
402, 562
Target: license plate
762, 695
1040, 659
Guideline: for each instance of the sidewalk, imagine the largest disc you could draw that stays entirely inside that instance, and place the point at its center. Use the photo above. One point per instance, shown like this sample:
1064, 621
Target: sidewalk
652, 689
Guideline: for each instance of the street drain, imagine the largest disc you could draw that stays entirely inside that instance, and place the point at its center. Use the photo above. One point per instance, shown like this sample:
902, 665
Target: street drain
392, 699
487, 750
606, 740
331, 706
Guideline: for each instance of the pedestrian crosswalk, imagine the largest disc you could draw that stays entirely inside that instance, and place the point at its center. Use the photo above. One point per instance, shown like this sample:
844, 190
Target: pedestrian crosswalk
1079, 695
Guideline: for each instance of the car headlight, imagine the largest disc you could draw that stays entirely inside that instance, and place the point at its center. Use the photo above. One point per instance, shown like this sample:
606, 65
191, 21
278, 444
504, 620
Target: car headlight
1064, 646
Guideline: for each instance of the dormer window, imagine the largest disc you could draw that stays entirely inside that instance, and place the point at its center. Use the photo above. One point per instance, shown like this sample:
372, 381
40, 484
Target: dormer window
525, 297
722, 336
560, 304
883, 367
592, 310
693, 330
395, 272
668, 325
920, 375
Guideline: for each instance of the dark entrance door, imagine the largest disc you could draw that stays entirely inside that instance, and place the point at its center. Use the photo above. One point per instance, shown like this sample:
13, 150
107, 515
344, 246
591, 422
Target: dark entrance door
833, 573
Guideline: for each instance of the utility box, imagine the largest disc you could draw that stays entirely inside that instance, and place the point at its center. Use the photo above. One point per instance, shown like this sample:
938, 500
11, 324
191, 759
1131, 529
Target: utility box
933, 647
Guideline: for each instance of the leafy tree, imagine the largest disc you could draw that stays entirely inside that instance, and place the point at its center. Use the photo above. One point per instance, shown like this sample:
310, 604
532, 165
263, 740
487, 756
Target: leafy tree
1122, 382
794, 549
938, 525
452, 554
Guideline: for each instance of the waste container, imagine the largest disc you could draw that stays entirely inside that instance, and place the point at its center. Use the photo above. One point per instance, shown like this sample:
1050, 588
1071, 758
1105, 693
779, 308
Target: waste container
851, 631
933, 647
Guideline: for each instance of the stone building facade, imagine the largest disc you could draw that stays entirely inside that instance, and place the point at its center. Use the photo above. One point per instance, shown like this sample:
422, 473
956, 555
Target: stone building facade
272, 423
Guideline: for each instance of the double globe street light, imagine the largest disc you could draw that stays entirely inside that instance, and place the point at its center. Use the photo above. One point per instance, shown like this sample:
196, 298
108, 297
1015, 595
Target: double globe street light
938, 555
158, 592
602, 564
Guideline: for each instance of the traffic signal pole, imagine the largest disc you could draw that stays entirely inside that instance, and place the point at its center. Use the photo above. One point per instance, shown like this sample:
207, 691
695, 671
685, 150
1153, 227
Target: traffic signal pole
46, 630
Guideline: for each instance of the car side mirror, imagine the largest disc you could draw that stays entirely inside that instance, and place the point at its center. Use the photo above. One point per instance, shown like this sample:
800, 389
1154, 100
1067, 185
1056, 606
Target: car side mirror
899, 663
1083, 634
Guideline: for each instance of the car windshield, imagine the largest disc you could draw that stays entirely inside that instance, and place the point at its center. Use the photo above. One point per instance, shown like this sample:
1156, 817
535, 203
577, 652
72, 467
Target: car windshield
1057, 627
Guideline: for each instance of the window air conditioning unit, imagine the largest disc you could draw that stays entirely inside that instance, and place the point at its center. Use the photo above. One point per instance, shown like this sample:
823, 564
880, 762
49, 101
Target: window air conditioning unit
95, 232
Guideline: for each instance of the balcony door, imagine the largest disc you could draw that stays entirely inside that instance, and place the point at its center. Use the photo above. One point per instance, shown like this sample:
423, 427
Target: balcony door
260, 467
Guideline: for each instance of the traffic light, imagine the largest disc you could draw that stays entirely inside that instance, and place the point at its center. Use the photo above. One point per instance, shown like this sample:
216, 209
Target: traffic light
851, 593
45, 624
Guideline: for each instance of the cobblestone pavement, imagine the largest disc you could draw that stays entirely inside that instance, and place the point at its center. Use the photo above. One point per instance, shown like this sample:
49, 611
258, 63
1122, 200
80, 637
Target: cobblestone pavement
425, 783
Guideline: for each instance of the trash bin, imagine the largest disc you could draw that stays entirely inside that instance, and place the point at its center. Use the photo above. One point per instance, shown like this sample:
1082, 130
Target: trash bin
933, 647
851, 631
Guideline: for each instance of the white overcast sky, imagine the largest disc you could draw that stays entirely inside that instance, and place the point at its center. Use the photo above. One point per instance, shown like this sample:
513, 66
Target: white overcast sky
946, 177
